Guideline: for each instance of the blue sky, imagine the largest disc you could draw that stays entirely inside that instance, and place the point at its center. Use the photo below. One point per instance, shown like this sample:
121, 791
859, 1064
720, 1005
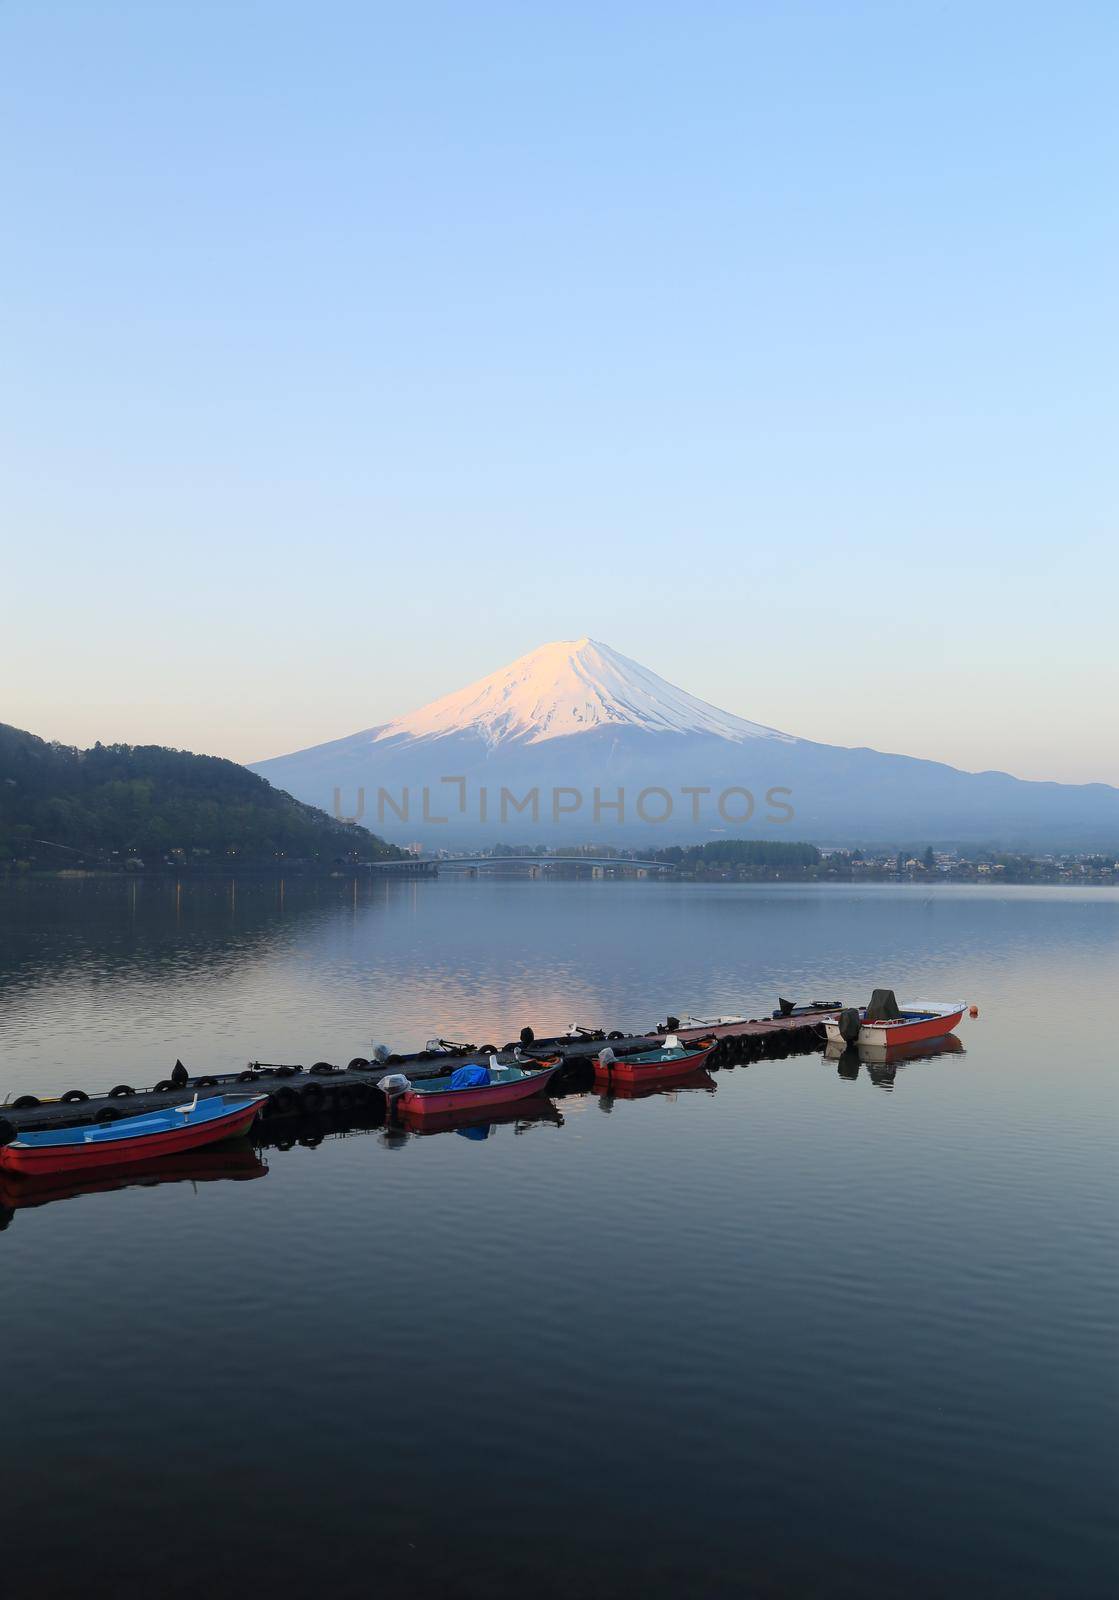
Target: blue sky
351, 351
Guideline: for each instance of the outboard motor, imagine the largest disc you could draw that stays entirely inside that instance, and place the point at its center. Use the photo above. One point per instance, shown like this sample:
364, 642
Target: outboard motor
392, 1086
381, 1054
527, 1036
179, 1075
785, 1007
607, 1057
849, 1023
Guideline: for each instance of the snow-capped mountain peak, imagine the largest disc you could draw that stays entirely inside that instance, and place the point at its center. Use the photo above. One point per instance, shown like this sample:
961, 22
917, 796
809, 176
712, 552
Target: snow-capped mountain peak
501, 760
569, 687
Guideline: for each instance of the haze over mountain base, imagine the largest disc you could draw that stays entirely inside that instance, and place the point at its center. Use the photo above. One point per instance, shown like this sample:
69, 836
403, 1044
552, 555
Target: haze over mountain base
574, 743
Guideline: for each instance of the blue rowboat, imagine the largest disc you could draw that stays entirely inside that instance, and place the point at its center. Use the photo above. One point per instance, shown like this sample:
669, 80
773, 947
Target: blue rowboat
185, 1127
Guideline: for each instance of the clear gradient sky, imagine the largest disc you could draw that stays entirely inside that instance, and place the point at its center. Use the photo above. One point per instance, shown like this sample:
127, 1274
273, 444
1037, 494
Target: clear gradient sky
352, 350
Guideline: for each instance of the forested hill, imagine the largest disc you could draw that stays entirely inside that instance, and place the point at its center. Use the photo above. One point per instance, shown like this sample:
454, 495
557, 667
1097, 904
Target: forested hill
144, 803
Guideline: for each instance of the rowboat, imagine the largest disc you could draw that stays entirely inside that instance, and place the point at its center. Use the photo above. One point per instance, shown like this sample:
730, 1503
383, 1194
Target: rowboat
911, 1023
105, 1144
672, 1060
470, 1088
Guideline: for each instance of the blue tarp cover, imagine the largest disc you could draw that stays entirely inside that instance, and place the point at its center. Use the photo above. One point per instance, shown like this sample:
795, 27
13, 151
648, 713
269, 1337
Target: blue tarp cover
472, 1077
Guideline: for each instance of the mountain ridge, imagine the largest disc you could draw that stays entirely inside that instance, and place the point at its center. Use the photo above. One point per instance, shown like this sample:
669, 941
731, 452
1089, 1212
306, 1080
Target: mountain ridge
578, 717
146, 800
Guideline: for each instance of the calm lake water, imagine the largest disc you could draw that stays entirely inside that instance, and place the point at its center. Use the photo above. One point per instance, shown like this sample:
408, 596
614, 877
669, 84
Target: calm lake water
801, 1335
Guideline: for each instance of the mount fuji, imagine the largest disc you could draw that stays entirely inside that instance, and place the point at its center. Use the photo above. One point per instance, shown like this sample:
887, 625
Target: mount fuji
575, 742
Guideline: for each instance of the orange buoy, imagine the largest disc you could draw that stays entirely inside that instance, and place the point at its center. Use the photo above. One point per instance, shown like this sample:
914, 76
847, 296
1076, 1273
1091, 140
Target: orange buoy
973, 1011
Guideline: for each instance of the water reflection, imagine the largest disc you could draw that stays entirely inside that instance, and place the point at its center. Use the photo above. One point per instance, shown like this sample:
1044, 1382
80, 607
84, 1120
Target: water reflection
236, 1161
521, 1117
700, 1081
882, 1061
396, 1339
311, 1130
107, 981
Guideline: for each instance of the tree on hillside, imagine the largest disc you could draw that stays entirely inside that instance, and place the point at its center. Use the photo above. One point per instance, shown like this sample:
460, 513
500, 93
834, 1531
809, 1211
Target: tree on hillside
148, 800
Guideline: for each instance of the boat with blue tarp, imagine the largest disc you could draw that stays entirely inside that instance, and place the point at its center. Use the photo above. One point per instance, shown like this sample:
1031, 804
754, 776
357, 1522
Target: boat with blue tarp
474, 1086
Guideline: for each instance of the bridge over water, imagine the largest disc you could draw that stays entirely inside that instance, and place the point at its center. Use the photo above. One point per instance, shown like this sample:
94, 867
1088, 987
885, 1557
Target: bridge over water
428, 866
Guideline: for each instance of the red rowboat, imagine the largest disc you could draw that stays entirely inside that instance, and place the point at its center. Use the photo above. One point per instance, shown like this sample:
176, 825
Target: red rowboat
913, 1023
674, 1060
437, 1096
109, 1144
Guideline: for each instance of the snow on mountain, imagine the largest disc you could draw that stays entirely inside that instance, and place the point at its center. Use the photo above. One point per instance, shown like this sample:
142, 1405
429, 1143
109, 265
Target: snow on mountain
570, 687
584, 733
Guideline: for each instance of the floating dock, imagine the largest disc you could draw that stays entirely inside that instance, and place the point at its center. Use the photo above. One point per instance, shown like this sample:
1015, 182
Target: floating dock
293, 1090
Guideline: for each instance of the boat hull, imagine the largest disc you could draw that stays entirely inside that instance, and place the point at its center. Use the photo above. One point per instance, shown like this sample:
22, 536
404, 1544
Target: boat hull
889, 1035
636, 1072
415, 1103
36, 1160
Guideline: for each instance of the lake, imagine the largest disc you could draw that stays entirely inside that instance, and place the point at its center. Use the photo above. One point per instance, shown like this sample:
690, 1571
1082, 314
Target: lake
801, 1333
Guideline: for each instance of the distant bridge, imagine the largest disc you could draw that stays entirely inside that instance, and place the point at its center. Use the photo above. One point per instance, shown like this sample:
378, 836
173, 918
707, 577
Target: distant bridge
428, 866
